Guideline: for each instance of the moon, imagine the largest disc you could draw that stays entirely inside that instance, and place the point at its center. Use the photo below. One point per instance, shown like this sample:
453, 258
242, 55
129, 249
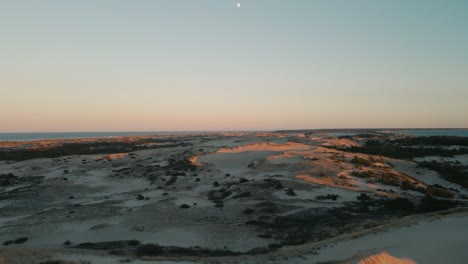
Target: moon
238, 5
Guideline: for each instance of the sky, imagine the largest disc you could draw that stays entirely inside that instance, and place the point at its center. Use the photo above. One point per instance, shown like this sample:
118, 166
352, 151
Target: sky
173, 65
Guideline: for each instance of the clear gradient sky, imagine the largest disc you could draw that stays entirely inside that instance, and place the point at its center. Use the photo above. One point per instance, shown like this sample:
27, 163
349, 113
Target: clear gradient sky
159, 65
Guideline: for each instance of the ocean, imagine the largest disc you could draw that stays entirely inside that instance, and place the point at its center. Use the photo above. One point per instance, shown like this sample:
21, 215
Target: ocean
413, 132
62, 135
436, 132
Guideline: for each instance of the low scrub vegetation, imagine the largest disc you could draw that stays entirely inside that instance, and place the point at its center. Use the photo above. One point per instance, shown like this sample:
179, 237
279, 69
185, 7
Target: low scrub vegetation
401, 204
408, 148
451, 172
83, 148
429, 204
359, 162
333, 197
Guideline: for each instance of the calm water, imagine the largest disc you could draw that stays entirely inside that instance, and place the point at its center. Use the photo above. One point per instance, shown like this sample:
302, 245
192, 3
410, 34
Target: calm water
429, 132
34, 136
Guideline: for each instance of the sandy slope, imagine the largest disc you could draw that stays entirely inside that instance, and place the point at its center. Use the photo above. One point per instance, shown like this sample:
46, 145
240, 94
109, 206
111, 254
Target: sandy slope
385, 258
432, 238
93, 198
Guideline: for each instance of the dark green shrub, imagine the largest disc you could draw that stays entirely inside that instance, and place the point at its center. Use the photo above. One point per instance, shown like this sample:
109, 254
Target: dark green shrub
429, 204
149, 250
401, 204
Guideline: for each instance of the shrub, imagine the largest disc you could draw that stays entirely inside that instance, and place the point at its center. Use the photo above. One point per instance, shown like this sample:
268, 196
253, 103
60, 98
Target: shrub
20, 240
363, 174
248, 211
402, 204
363, 197
358, 162
149, 250
290, 192
429, 204
439, 191
390, 179
242, 195
327, 197
452, 172
242, 180
407, 185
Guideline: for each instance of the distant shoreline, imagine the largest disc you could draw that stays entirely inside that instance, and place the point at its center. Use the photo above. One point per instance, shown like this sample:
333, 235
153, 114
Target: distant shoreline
30, 136
26, 136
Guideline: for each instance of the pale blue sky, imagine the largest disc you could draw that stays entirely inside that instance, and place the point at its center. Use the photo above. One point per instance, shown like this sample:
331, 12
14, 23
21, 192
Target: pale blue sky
151, 65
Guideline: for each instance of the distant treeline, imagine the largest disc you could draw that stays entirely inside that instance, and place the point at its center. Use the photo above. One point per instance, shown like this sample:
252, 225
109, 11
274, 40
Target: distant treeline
455, 173
434, 141
409, 148
83, 149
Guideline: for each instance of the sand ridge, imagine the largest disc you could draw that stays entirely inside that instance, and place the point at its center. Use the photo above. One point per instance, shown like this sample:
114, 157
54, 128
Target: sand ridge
221, 192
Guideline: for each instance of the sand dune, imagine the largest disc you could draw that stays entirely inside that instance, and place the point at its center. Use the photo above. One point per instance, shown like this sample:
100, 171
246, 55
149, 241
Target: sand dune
265, 146
194, 161
216, 192
385, 258
111, 157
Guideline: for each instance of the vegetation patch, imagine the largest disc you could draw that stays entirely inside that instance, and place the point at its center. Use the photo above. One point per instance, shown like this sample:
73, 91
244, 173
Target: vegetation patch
359, 162
452, 172
17, 241
84, 148
333, 197
410, 147
110, 245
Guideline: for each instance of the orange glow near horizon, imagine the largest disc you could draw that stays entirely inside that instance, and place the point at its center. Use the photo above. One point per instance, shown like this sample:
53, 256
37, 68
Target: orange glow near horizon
191, 65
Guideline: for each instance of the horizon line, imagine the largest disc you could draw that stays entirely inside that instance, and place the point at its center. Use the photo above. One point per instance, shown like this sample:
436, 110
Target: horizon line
241, 130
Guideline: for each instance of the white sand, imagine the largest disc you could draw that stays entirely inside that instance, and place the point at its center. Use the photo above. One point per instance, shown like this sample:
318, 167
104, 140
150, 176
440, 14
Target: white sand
308, 168
442, 240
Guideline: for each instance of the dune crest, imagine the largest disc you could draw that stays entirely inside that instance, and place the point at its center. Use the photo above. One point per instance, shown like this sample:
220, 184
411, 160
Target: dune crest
112, 156
265, 146
194, 161
385, 258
